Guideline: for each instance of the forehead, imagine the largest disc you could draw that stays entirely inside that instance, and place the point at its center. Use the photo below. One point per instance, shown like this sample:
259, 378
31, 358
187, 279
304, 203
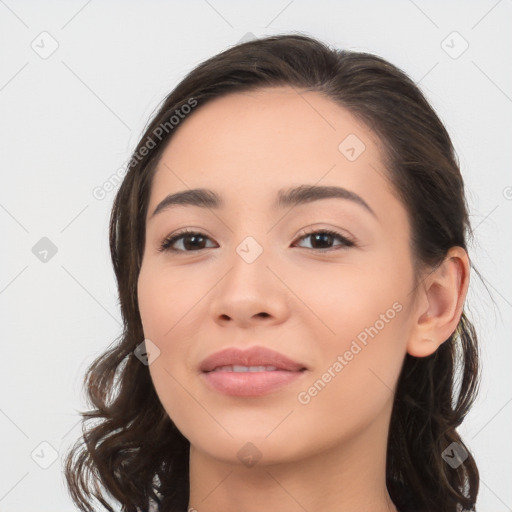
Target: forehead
248, 145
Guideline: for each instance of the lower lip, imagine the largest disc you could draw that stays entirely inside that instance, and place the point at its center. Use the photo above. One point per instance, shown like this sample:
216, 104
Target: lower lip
250, 383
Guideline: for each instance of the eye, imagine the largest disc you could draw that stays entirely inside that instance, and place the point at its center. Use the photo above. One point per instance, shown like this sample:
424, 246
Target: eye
326, 236
193, 241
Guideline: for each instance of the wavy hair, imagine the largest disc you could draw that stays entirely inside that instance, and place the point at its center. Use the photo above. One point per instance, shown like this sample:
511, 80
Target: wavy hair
133, 452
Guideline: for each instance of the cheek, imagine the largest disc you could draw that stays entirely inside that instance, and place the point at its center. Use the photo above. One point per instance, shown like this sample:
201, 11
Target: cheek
165, 296
166, 305
354, 383
361, 331
167, 316
150, 301
342, 303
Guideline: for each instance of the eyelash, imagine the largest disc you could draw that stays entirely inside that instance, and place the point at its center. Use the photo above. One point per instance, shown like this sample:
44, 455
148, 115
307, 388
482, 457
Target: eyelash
166, 244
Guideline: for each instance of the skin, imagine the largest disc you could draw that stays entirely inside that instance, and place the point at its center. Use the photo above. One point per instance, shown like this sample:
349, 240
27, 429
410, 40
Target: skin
330, 453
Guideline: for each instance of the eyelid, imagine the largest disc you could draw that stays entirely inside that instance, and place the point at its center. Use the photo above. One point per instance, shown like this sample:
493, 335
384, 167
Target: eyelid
347, 240
164, 245
310, 230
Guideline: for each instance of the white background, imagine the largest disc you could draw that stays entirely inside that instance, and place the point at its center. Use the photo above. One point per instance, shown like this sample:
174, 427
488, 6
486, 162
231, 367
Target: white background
71, 120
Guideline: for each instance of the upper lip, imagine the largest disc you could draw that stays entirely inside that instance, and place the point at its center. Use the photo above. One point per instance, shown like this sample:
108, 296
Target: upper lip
254, 356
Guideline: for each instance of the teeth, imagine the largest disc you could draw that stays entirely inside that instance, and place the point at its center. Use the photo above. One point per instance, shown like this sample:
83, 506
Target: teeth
238, 368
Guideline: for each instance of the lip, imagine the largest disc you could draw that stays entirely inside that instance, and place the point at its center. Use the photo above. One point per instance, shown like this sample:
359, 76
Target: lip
250, 383
254, 356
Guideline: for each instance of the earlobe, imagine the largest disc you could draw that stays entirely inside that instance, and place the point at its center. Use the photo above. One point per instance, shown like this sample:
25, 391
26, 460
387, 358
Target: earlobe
439, 309
423, 348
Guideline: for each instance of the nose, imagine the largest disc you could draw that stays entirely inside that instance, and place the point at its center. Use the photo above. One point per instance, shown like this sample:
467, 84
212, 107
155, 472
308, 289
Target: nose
250, 292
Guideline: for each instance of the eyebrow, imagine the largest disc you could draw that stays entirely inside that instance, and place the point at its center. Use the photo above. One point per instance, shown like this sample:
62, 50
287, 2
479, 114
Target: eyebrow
206, 198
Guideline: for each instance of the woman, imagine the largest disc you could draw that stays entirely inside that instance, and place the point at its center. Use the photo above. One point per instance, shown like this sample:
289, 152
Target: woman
290, 246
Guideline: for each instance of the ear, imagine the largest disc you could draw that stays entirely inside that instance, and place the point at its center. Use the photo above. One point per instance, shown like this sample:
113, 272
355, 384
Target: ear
439, 304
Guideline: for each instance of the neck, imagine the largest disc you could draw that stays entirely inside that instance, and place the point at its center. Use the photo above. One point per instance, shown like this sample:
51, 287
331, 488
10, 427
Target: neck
348, 477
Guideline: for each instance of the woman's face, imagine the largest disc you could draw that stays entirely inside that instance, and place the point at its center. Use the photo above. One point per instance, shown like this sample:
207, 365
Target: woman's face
254, 277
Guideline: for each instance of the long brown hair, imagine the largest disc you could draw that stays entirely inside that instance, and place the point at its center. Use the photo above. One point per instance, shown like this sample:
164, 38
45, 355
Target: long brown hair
133, 451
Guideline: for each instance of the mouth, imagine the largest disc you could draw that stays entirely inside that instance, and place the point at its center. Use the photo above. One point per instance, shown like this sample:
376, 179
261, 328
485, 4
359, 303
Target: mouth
250, 373
250, 383
254, 359
251, 369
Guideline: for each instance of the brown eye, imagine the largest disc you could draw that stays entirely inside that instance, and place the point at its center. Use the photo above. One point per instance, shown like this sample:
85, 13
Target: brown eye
191, 241
326, 237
